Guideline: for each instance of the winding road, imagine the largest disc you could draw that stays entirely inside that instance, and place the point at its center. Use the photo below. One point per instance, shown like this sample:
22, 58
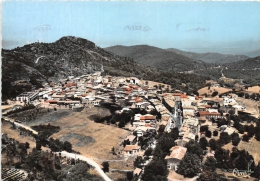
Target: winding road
70, 155
89, 161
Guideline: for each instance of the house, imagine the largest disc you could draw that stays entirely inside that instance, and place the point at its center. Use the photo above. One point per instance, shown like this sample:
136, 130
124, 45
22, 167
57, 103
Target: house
131, 150
137, 172
229, 130
177, 153
131, 139
27, 96
202, 119
141, 130
209, 115
147, 118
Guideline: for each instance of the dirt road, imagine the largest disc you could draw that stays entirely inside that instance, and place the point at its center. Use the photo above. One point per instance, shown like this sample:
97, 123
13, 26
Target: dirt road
71, 155
89, 161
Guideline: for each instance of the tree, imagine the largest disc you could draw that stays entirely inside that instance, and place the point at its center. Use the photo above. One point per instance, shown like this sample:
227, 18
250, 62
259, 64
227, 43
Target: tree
235, 139
105, 166
203, 143
67, 146
215, 93
215, 133
129, 176
257, 131
174, 133
210, 176
138, 161
78, 172
210, 164
190, 165
245, 137
213, 144
38, 145
224, 138
13, 126
156, 170
148, 152
231, 112
204, 128
251, 131
222, 157
27, 145
194, 148
256, 173
208, 133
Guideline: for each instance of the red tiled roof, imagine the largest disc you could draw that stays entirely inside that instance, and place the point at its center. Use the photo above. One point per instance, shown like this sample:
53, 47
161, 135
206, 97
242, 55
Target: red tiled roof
147, 117
138, 99
207, 113
63, 93
177, 152
184, 96
128, 89
176, 94
201, 118
131, 147
207, 106
49, 101
137, 171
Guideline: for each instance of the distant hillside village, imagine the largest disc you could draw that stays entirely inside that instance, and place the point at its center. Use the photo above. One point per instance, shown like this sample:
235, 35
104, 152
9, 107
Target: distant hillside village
195, 117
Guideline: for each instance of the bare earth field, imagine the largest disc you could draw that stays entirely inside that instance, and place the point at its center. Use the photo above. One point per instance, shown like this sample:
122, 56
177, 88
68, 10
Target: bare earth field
255, 89
251, 106
253, 147
91, 139
15, 135
220, 90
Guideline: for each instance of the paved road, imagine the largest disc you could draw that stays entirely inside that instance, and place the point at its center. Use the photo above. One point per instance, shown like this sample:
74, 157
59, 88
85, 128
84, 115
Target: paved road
89, 161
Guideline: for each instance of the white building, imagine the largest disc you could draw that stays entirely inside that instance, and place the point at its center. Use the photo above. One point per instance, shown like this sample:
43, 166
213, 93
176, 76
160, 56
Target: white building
28, 96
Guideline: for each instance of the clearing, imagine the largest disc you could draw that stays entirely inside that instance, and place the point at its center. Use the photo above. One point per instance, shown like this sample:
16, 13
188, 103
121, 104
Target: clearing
91, 139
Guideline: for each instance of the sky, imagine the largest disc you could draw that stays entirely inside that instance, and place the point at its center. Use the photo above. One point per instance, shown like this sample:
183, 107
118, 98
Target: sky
224, 27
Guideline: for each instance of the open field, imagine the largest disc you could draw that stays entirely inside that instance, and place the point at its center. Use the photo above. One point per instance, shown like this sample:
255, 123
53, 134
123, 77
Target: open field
220, 90
15, 135
253, 147
254, 89
251, 106
89, 138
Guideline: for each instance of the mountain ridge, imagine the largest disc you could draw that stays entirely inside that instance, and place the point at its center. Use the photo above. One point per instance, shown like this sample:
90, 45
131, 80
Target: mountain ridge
158, 58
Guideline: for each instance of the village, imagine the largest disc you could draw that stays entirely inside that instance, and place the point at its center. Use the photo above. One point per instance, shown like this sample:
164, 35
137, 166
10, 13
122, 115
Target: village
164, 108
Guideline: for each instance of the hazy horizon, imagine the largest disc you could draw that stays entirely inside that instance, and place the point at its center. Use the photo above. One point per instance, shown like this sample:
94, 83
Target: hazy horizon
221, 27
